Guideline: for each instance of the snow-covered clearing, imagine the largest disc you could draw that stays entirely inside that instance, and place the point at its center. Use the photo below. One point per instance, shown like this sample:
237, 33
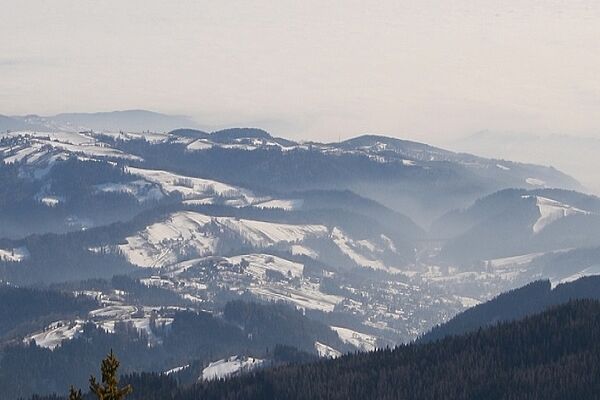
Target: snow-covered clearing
298, 249
55, 333
199, 144
551, 211
229, 366
283, 204
14, 255
307, 296
359, 340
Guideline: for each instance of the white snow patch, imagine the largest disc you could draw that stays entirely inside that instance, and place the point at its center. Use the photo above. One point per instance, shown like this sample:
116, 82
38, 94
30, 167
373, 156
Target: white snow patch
514, 260
308, 296
176, 369
55, 333
535, 182
70, 142
283, 204
152, 137
51, 201
390, 244
551, 211
192, 298
359, 340
467, 302
590, 271
229, 366
14, 255
502, 167
239, 147
261, 233
326, 351
258, 264
21, 154
200, 144
116, 312
298, 249
164, 242
142, 190
139, 317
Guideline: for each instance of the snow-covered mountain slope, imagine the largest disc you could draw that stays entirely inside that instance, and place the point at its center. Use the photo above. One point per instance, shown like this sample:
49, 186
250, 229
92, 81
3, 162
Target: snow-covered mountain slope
189, 234
368, 164
551, 211
35, 147
54, 334
156, 184
198, 190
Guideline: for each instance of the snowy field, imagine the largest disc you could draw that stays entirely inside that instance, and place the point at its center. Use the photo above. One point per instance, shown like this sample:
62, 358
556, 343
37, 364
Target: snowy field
359, 340
230, 366
14, 255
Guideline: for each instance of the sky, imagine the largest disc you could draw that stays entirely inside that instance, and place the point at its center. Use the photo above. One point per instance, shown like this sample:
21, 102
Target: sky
433, 71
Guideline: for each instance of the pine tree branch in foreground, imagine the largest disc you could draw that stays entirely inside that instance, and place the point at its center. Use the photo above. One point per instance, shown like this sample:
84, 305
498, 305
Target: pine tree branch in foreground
109, 388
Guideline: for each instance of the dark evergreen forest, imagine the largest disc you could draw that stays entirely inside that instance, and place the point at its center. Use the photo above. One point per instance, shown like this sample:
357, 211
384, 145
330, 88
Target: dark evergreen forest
553, 355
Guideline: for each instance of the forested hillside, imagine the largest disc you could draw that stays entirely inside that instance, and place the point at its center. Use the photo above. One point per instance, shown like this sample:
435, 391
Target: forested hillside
553, 355
26, 309
518, 303
271, 333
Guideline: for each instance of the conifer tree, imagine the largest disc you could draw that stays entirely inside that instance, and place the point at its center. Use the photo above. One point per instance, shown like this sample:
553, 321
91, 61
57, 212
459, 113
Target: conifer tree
75, 394
109, 388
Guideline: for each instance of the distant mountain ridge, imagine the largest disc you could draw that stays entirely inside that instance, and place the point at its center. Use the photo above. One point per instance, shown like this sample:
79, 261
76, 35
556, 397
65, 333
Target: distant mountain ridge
127, 120
572, 154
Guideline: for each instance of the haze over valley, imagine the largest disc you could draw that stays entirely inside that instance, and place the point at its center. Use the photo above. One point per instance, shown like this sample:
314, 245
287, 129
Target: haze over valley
299, 200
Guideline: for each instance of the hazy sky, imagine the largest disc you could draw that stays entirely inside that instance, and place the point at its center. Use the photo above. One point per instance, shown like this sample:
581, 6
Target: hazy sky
429, 70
